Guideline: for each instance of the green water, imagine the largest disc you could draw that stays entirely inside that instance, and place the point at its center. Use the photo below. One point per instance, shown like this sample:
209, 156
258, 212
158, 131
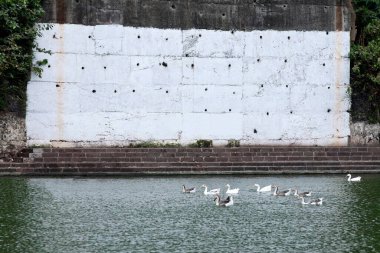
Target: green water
150, 214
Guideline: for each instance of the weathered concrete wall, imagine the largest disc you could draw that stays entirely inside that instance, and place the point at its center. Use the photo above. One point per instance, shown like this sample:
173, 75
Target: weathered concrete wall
111, 84
283, 15
262, 72
12, 135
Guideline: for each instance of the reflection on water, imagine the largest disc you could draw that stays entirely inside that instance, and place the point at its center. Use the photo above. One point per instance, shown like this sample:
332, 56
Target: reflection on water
150, 214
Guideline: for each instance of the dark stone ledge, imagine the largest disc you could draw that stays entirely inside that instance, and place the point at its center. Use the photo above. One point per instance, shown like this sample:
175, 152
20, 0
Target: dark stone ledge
305, 15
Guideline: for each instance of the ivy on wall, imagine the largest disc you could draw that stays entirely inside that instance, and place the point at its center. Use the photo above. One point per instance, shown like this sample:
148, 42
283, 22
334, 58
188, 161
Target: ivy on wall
365, 63
18, 30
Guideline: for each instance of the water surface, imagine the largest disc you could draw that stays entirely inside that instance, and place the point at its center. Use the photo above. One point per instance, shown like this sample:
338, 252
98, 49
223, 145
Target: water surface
150, 214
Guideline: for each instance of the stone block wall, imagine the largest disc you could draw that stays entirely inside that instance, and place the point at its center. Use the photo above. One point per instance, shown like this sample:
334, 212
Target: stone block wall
12, 135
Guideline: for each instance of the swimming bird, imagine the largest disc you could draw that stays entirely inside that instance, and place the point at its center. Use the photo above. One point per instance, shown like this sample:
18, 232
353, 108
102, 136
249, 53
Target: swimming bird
355, 179
229, 201
211, 192
232, 191
317, 202
303, 201
267, 188
301, 194
281, 193
188, 190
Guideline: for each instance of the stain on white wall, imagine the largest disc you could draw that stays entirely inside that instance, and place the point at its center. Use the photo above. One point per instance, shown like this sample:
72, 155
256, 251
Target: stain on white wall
113, 85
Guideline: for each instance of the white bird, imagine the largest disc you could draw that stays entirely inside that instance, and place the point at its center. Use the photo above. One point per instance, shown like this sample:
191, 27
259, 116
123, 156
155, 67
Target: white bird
211, 192
188, 190
301, 194
303, 201
229, 201
232, 191
317, 202
355, 179
281, 193
267, 188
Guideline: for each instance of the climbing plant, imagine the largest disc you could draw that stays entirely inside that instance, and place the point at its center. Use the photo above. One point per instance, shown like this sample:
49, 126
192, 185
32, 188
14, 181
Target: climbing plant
18, 30
365, 62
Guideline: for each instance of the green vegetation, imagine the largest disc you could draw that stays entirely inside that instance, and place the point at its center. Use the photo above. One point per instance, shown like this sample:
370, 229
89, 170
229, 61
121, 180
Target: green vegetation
18, 31
365, 62
152, 144
233, 143
201, 144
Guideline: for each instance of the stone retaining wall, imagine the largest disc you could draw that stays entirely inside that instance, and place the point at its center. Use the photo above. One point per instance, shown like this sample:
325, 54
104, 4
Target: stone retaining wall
12, 135
244, 160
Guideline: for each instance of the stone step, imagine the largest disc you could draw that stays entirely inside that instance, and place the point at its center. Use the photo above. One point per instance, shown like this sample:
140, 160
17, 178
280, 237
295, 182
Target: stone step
191, 164
96, 161
88, 171
204, 159
209, 150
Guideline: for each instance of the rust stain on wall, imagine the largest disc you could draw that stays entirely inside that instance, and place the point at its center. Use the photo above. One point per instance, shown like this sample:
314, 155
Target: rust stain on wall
60, 81
338, 18
61, 11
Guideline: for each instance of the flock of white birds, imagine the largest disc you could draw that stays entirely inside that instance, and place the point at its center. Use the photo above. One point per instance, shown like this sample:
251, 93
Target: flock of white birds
230, 192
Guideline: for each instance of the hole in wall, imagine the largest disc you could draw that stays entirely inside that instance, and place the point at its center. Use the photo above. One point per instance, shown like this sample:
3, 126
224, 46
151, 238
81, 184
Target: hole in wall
255, 131
286, 86
77, 1
232, 31
291, 112
234, 92
115, 91
164, 64
82, 67
229, 65
138, 36
167, 91
206, 89
284, 6
105, 67
262, 85
267, 113
329, 110
205, 110
200, 35
89, 36
166, 39
133, 91
288, 37
229, 110
173, 6
57, 85
328, 87
261, 37
223, 14
285, 60
327, 32
137, 64
93, 91
186, 55
323, 64
258, 60
49, 66
192, 65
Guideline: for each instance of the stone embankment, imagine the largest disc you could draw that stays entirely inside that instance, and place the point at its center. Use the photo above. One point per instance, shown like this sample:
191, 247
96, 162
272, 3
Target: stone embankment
153, 161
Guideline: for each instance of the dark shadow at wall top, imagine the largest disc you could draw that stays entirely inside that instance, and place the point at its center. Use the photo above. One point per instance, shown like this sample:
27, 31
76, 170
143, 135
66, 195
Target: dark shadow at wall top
307, 15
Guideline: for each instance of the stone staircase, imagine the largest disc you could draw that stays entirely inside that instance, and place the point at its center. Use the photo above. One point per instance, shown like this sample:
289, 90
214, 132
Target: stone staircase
242, 160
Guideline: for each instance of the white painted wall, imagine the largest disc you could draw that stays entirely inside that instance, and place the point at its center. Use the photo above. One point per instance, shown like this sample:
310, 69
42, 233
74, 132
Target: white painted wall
112, 85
